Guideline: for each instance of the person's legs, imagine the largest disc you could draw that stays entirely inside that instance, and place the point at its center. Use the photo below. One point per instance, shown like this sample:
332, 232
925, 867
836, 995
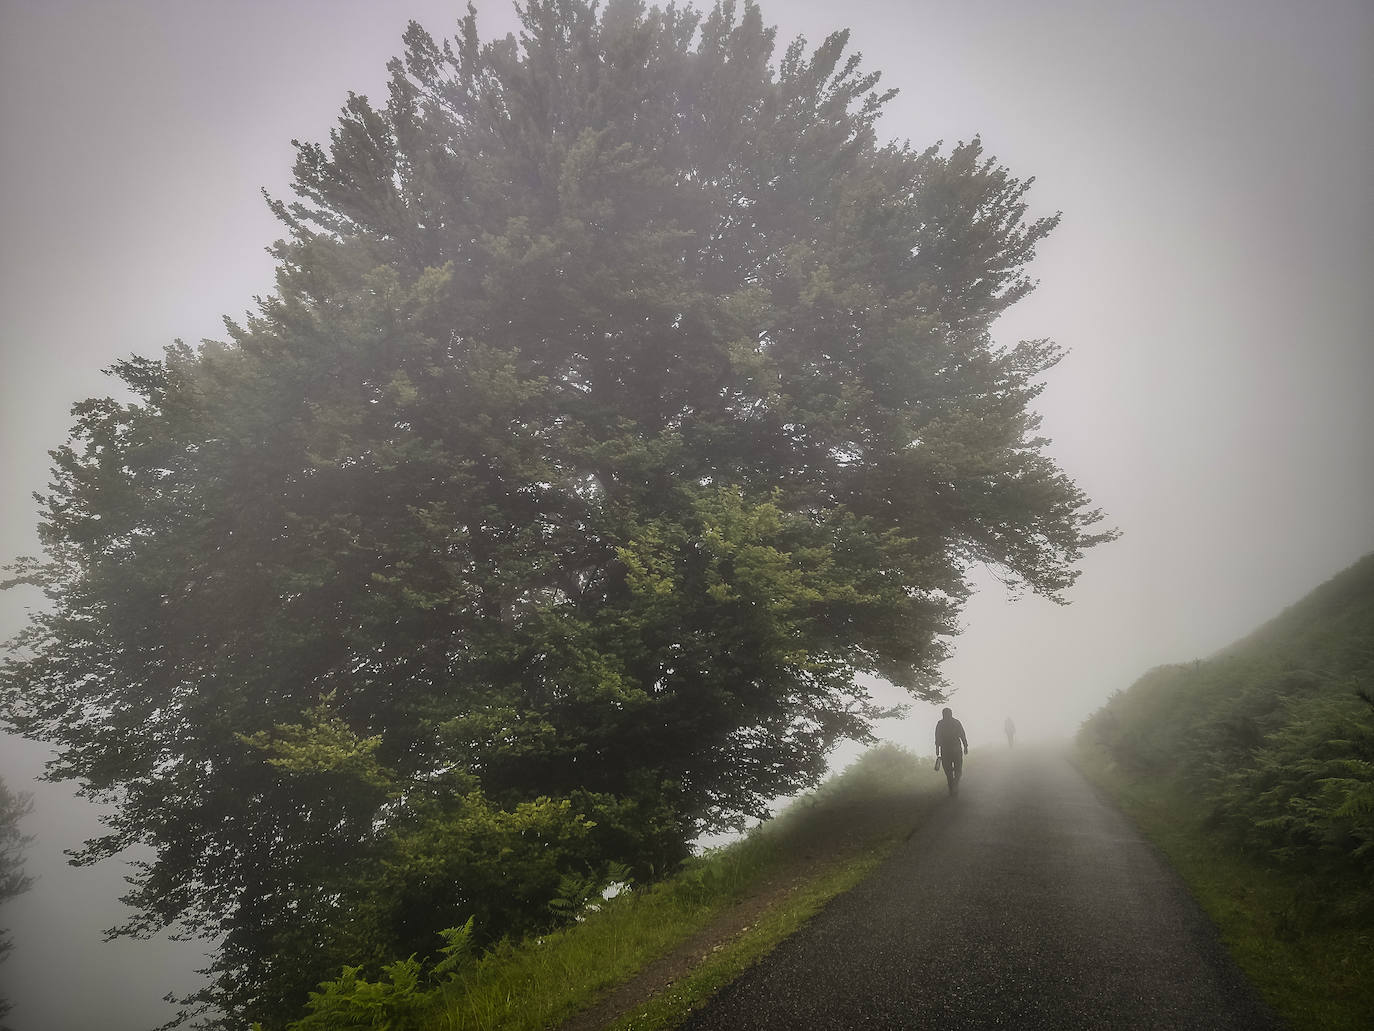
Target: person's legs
950, 774
955, 771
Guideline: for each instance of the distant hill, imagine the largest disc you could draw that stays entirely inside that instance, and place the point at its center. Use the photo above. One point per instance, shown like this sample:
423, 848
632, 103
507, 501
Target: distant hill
1331, 624
1275, 734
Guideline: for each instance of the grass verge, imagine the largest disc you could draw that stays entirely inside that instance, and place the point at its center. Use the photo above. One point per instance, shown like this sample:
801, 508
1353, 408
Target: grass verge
543, 981
821, 846
1313, 972
717, 969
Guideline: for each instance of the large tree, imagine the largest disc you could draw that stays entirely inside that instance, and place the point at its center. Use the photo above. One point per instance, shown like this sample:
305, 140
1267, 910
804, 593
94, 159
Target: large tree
623, 404
13, 880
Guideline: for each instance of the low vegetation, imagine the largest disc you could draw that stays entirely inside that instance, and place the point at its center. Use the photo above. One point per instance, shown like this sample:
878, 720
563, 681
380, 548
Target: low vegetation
787, 868
1254, 772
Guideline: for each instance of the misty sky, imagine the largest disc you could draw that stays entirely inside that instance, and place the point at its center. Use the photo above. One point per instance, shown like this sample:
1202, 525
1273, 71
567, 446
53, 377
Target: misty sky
1213, 278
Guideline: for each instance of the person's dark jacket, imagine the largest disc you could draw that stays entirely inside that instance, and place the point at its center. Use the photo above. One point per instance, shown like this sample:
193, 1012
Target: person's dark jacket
949, 735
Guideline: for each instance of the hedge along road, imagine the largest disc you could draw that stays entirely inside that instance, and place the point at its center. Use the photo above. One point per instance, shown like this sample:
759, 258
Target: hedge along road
1026, 902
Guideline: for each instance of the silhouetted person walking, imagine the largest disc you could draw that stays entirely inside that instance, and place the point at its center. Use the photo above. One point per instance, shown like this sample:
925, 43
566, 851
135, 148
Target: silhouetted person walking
949, 737
1010, 729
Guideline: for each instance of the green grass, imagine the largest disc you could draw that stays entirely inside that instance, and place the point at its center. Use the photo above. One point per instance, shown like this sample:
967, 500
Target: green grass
852, 821
670, 1008
546, 980
1313, 971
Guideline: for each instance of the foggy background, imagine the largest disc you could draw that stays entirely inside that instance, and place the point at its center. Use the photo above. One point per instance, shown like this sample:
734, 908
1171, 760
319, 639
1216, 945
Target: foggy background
1213, 278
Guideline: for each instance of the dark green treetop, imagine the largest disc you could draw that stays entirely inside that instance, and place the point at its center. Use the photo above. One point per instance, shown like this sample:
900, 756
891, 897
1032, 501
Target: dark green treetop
622, 403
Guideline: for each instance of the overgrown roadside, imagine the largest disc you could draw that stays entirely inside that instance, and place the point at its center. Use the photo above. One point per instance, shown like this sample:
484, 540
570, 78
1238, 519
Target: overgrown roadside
1312, 971
829, 858
700, 969
648, 958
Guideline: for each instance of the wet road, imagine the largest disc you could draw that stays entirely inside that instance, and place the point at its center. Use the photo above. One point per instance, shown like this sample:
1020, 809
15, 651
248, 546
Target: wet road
1027, 902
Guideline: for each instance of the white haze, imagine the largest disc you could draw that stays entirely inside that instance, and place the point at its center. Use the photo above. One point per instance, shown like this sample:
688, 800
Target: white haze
1212, 277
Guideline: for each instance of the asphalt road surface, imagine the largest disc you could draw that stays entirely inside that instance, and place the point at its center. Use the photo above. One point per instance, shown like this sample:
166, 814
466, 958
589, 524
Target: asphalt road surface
1026, 902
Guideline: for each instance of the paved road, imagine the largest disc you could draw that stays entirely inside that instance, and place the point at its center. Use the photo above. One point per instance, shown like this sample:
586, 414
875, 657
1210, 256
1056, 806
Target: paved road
1026, 902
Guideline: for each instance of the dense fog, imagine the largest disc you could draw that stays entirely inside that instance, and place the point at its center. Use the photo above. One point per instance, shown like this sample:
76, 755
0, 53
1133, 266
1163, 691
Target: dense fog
1210, 279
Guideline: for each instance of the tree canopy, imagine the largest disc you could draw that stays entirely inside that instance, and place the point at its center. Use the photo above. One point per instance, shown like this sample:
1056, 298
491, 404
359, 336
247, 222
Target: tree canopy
13, 880
623, 403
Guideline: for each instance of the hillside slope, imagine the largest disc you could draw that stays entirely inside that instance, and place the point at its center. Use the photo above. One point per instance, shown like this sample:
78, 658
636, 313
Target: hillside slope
1275, 734
1253, 771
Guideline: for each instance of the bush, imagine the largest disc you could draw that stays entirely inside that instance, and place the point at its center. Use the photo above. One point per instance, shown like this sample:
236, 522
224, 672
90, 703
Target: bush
1275, 735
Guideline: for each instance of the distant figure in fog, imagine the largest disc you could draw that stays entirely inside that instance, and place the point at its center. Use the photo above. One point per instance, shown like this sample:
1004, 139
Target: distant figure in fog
949, 736
1009, 728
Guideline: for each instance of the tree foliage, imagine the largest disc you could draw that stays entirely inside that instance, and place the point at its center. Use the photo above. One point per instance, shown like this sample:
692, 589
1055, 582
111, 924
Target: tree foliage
623, 402
13, 880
